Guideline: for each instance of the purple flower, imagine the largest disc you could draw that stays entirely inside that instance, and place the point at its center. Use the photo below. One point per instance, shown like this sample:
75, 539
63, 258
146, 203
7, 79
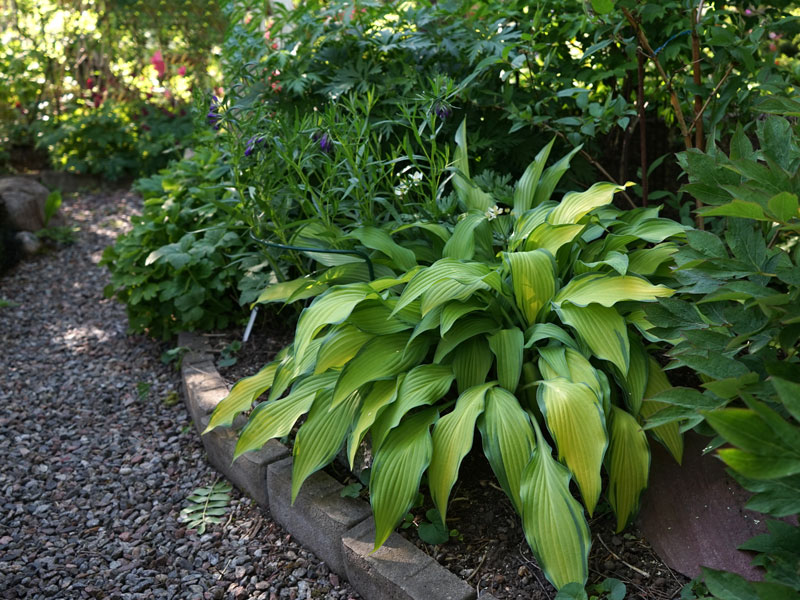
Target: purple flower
253, 143
325, 142
213, 117
442, 111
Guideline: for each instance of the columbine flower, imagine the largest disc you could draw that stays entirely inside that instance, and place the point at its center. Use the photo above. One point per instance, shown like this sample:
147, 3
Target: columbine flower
325, 142
253, 143
442, 111
213, 115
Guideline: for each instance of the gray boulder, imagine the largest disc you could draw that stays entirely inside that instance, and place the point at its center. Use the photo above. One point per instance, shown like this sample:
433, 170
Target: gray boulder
24, 201
29, 243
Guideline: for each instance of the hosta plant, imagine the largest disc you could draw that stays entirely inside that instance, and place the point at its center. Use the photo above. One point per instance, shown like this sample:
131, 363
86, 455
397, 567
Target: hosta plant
524, 328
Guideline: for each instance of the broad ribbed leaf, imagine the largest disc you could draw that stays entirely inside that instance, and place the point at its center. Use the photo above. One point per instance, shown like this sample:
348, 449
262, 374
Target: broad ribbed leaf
471, 196
528, 222
668, 434
422, 385
462, 244
380, 358
628, 465
430, 321
397, 471
635, 382
552, 237
379, 397
575, 205
242, 396
553, 521
445, 290
275, 419
463, 330
553, 362
757, 466
455, 310
452, 440
332, 307
575, 419
552, 175
507, 346
525, 191
375, 316
471, 362
319, 439
297, 289
548, 331
444, 269
377, 239
747, 430
647, 261
602, 329
533, 275
508, 440
607, 290
582, 371
339, 347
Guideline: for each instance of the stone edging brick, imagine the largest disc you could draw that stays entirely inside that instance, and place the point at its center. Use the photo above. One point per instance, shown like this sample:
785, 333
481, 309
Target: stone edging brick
338, 530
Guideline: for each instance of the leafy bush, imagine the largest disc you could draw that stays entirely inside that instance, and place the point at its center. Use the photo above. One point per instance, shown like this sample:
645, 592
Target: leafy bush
519, 325
179, 267
738, 327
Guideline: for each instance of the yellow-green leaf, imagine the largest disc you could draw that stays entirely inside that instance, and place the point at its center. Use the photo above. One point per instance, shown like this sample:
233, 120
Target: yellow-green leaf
377, 239
462, 331
551, 237
575, 205
375, 316
552, 175
452, 440
453, 311
397, 471
528, 222
602, 329
607, 290
379, 397
533, 275
297, 289
507, 346
635, 382
553, 521
471, 362
242, 396
462, 243
668, 434
471, 196
648, 260
443, 270
575, 418
339, 346
525, 191
628, 465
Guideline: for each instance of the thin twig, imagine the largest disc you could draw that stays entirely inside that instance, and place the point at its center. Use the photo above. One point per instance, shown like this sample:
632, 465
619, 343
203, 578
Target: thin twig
630, 566
699, 115
478, 568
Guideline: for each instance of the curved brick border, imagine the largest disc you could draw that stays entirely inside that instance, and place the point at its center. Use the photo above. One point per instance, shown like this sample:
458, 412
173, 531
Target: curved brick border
338, 530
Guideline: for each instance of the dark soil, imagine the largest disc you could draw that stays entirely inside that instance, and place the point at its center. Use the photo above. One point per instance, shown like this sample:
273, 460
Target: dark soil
490, 551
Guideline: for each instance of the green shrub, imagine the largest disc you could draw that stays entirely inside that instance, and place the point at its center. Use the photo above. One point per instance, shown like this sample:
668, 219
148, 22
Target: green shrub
518, 328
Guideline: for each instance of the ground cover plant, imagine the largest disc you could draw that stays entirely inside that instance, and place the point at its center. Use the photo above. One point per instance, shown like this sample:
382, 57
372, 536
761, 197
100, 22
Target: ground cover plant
508, 319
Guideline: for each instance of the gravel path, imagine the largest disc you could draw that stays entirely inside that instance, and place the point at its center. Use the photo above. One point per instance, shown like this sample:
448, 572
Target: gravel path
97, 458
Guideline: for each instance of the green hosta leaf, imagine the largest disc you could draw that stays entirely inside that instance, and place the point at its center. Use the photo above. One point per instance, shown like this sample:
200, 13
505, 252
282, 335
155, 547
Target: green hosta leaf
380, 358
533, 275
647, 261
615, 260
575, 205
552, 237
525, 191
422, 385
242, 396
507, 345
602, 329
669, 434
319, 439
275, 419
548, 331
338, 347
553, 521
452, 440
462, 331
651, 230
377, 239
508, 440
556, 361
462, 244
332, 307
296, 289
628, 465
431, 320
607, 290
453, 311
379, 397
397, 471
375, 316
551, 176
576, 421
635, 381
528, 222
445, 290
471, 362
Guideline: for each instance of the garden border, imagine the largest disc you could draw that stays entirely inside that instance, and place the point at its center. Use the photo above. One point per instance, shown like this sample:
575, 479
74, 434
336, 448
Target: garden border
338, 530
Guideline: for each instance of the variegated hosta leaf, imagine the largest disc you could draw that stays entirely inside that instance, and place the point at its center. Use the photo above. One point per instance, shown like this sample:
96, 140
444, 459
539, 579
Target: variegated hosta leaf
575, 205
339, 346
377, 239
319, 439
242, 396
551, 237
553, 362
602, 329
525, 191
463, 330
553, 521
452, 440
382, 357
551, 176
379, 397
607, 290
471, 362
635, 382
507, 346
668, 434
275, 419
471, 196
533, 275
461, 245
508, 440
628, 465
397, 471
528, 222
576, 421
332, 307
559, 361
422, 385
443, 270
